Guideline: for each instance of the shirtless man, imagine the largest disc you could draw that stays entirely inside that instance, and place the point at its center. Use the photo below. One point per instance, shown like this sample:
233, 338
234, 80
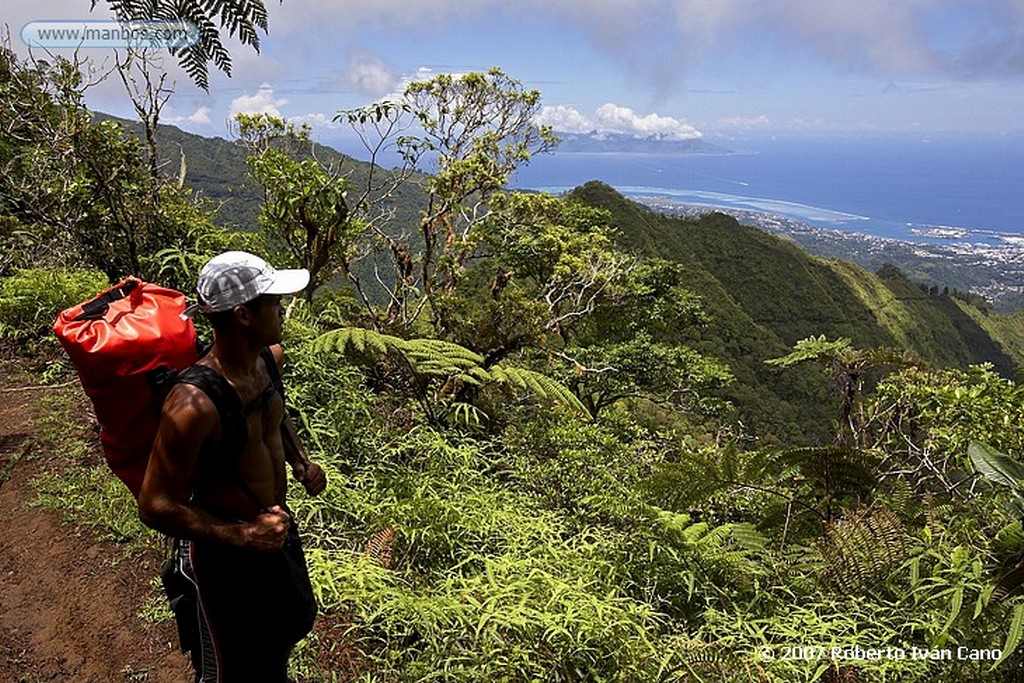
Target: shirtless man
223, 495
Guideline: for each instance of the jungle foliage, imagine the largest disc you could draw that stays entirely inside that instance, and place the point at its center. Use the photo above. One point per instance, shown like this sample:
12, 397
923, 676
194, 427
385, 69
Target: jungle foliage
538, 468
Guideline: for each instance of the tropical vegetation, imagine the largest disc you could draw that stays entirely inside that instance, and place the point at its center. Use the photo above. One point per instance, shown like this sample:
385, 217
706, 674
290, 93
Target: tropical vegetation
559, 442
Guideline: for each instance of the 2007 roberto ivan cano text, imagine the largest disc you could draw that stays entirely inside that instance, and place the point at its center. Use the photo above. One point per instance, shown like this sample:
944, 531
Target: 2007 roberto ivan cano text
856, 652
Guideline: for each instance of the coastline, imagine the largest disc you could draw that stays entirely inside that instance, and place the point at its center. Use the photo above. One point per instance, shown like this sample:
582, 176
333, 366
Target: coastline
991, 267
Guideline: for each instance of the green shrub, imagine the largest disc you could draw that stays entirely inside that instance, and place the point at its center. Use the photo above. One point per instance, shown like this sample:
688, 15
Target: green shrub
31, 299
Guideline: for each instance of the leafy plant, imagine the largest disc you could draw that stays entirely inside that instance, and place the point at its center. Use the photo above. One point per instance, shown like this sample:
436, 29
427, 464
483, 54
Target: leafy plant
847, 367
242, 19
440, 370
30, 300
305, 206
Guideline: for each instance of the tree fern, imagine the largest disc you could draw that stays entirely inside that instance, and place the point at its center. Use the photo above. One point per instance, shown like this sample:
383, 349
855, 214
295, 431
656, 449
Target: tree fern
358, 343
862, 549
538, 384
436, 356
443, 362
835, 473
243, 19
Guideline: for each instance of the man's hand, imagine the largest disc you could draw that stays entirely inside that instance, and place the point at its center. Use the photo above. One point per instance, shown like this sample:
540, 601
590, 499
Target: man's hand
267, 532
311, 476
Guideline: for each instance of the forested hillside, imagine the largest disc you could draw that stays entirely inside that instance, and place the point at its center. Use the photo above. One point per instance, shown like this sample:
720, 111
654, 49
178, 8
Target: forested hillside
215, 169
763, 294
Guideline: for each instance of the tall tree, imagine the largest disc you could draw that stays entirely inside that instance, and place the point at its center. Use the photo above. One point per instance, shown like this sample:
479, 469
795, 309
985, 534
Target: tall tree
78, 192
304, 201
472, 132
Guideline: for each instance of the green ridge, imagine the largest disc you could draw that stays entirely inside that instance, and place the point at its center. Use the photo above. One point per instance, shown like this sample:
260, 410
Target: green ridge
764, 293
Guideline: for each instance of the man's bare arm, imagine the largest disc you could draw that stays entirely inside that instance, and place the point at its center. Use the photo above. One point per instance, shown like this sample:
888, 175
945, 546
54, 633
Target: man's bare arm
187, 421
308, 473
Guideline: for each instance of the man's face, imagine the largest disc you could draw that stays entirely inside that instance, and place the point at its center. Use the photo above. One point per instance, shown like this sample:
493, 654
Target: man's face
267, 318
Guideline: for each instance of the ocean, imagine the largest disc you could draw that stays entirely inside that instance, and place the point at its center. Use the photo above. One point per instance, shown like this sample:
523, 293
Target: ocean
912, 188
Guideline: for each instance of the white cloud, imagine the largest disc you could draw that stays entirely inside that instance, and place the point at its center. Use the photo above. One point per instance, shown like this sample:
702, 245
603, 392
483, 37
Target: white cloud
424, 73
744, 123
614, 119
369, 74
564, 119
317, 121
200, 117
263, 102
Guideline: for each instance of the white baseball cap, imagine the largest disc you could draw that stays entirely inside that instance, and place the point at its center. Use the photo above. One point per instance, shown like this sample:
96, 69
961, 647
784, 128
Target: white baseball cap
237, 277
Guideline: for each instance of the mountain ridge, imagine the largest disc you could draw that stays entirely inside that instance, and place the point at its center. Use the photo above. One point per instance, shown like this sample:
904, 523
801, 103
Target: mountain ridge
763, 293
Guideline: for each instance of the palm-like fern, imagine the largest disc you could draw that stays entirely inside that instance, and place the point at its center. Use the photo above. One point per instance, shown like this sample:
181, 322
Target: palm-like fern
848, 367
243, 20
833, 473
446, 363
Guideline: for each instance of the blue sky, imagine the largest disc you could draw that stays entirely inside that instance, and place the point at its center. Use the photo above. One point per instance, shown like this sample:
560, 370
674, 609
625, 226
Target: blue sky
713, 68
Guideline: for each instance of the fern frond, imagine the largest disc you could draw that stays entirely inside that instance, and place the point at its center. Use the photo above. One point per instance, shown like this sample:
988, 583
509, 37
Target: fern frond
466, 414
479, 375
902, 500
847, 469
691, 480
381, 546
444, 360
735, 549
540, 385
242, 19
812, 348
501, 376
684, 658
863, 548
439, 347
749, 538
358, 343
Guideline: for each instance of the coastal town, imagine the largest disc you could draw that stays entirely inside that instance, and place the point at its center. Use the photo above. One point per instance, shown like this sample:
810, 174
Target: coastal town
986, 263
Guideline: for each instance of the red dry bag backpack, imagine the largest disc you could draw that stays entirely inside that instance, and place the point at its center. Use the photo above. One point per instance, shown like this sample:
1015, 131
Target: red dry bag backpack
128, 344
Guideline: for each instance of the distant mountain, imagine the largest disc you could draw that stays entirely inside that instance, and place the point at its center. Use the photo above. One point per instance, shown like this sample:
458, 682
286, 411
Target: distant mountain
215, 169
605, 143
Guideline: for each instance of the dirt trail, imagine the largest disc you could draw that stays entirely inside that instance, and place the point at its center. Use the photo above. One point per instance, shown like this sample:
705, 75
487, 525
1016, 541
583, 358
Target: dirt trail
67, 610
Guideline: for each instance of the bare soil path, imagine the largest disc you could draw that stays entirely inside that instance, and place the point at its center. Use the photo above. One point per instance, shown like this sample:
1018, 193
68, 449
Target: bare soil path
68, 608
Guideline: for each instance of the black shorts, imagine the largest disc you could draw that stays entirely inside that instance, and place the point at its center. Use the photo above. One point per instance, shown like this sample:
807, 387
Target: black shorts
253, 608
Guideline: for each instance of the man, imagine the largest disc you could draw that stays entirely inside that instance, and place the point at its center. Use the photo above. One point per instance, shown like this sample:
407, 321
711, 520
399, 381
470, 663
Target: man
218, 484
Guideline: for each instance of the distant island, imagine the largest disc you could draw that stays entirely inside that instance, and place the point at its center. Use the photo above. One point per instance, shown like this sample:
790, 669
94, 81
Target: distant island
608, 143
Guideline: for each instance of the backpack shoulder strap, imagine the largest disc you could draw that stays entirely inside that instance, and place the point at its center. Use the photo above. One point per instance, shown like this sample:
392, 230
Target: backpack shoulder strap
275, 374
278, 383
275, 386
225, 400
234, 430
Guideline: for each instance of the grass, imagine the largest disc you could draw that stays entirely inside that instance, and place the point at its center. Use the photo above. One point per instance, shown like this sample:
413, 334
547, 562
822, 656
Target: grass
74, 480
8, 465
